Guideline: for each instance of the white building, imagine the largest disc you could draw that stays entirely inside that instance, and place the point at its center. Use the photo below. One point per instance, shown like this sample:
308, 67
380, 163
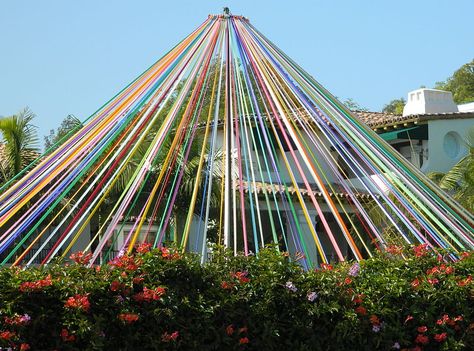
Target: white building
430, 132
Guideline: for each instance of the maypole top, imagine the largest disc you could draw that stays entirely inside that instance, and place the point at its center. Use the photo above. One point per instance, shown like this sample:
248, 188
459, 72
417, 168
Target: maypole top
226, 12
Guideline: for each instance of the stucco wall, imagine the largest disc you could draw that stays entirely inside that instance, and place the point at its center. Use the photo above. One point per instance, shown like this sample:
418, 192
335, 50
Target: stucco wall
445, 145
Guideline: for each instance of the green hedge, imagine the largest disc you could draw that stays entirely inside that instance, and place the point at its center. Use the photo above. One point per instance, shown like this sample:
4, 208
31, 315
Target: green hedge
162, 300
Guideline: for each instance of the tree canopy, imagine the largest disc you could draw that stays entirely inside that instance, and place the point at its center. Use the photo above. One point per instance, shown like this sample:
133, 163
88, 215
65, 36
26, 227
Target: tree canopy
19, 143
58, 136
395, 106
460, 84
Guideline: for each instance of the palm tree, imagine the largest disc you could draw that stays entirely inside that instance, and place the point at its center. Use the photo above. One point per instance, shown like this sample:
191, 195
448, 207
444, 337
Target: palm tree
459, 180
20, 143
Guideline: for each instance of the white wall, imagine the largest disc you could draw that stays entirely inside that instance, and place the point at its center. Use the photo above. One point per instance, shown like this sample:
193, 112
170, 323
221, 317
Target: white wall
445, 145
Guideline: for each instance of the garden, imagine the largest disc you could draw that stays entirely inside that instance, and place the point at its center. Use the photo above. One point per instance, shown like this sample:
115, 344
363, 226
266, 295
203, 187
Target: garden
406, 298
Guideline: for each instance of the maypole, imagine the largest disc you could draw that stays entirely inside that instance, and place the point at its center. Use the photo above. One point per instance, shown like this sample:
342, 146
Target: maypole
229, 140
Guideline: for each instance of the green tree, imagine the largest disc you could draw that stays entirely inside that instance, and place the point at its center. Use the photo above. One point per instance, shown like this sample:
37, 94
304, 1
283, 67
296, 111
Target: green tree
460, 84
20, 143
459, 180
353, 105
395, 106
58, 136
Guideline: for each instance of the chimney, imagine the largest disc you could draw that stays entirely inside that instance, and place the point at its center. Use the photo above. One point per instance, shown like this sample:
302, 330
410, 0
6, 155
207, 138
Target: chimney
426, 101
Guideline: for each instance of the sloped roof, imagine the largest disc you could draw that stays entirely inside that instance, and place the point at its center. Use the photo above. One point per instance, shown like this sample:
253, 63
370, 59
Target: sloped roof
380, 119
261, 188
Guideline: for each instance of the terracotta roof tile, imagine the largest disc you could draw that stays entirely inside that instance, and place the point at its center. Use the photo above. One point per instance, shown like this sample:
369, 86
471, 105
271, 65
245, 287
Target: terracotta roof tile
380, 119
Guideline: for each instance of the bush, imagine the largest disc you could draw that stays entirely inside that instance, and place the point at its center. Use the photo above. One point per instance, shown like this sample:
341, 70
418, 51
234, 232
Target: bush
163, 300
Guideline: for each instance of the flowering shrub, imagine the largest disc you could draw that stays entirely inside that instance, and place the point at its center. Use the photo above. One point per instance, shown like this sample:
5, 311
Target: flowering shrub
403, 299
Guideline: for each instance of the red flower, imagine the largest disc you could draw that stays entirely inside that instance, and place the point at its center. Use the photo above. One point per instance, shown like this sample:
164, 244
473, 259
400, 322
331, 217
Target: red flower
81, 258
422, 329
126, 262
244, 340
409, 318
440, 337
444, 319
433, 281
374, 320
466, 281
229, 330
227, 286
138, 280
358, 298
115, 285
458, 318
361, 310
148, 295
143, 248
415, 283
394, 249
37, 285
241, 276
169, 337
7, 335
169, 255
421, 250
24, 347
347, 281
433, 270
129, 318
422, 339
465, 255
18, 320
326, 267
449, 270
80, 302
66, 336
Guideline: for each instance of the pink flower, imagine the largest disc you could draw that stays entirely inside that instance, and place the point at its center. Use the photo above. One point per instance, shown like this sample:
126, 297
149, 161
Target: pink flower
354, 270
409, 318
18, 320
312, 296
415, 283
290, 286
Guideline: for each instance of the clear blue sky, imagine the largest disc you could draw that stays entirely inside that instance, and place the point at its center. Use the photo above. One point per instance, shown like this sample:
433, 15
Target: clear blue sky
64, 57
